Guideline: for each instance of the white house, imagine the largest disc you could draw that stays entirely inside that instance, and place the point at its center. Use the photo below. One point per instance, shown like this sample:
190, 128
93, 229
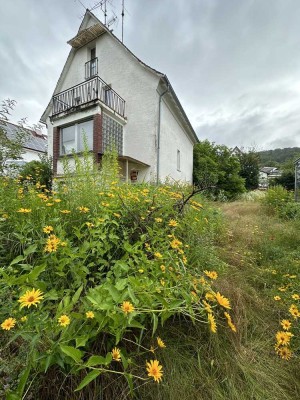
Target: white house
116, 99
35, 143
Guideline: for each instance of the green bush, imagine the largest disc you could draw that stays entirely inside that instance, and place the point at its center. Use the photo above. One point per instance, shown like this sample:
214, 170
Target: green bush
90, 267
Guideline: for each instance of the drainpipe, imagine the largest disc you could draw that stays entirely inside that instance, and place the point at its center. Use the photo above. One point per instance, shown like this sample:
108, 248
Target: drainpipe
158, 132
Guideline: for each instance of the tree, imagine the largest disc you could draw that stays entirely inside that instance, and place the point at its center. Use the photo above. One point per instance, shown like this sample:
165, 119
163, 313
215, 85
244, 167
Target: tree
249, 169
287, 177
38, 172
217, 170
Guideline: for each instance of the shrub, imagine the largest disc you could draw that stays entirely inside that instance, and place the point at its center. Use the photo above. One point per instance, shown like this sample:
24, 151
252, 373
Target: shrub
91, 266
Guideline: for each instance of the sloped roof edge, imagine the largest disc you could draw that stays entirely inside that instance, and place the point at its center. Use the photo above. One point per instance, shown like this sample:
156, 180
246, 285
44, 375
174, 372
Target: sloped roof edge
153, 70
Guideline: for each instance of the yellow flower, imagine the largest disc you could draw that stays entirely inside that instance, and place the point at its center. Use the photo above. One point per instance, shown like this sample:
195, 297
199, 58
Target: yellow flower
116, 354
175, 243
52, 244
229, 321
211, 274
283, 337
24, 319
173, 223
293, 310
83, 209
65, 211
117, 215
154, 370
162, 282
64, 320
277, 298
90, 314
105, 204
57, 200
31, 298
209, 296
212, 323
127, 307
49, 204
89, 224
24, 210
223, 301
158, 219
8, 324
284, 352
157, 255
286, 324
48, 229
160, 343
207, 306
163, 268
295, 296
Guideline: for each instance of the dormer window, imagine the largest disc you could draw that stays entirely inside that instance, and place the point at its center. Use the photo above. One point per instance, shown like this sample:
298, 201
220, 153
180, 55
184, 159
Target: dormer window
91, 67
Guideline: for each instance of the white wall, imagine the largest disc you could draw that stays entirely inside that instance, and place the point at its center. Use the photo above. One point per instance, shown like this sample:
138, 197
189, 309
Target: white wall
134, 83
173, 138
30, 155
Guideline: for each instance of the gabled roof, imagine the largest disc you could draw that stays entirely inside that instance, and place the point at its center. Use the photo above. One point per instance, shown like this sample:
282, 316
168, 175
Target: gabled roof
86, 34
35, 141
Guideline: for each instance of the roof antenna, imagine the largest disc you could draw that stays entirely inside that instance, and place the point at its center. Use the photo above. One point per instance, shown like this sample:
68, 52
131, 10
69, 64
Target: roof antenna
123, 20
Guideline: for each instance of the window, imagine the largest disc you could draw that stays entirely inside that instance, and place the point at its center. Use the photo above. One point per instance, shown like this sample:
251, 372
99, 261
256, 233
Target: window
178, 160
91, 67
73, 137
112, 134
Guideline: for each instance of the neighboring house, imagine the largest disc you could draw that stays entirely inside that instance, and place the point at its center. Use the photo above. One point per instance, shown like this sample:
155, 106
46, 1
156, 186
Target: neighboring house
117, 100
236, 151
34, 145
266, 174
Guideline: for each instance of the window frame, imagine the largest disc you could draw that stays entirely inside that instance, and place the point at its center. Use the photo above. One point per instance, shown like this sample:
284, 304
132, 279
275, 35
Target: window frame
77, 134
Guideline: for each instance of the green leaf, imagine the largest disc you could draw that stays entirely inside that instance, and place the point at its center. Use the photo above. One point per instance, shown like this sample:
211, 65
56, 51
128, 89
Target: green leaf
89, 378
108, 358
17, 260
31, 249
13, 396
132, 296
95, 360
155, 323
130, 383
23, 380
76, 295
81, 340
113, 292
72, 352
32, 276
121, 284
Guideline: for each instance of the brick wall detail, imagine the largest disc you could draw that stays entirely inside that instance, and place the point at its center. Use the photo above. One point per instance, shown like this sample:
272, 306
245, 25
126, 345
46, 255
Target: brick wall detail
97, 137
56, 138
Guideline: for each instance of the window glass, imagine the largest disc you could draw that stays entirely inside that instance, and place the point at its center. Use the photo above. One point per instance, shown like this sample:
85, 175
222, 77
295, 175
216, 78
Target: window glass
85, 132
68, 140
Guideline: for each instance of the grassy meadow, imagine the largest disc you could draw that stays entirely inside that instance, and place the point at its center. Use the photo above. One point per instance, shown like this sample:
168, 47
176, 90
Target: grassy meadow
111, 291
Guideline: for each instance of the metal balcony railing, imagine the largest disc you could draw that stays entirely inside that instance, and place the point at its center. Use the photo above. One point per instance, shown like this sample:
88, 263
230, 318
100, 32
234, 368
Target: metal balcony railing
86, 92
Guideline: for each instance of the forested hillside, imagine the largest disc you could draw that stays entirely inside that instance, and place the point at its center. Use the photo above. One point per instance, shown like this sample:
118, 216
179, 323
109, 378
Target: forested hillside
270, 158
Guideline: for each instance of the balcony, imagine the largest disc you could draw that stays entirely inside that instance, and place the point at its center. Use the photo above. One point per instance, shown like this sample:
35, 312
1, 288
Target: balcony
87, 93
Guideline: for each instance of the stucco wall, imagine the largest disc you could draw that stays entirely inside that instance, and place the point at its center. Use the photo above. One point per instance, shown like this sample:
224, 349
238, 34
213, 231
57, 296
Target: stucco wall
174, 138
134, 83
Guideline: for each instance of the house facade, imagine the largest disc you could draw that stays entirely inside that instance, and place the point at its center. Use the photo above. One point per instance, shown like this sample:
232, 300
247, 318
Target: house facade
107, 97
266, 174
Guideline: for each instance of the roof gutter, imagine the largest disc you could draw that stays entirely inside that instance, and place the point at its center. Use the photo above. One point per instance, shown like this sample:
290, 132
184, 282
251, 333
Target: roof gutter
158, 132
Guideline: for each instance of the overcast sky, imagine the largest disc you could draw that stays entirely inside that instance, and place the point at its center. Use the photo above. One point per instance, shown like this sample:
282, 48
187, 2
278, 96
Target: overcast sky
234, 64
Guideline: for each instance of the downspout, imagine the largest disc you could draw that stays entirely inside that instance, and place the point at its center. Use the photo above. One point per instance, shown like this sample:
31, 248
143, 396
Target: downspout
158, 132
